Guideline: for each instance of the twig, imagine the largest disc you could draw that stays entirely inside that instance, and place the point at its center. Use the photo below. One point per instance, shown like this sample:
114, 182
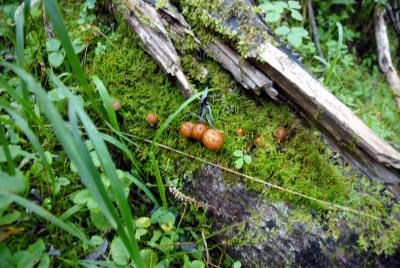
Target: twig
271, 185
206, 248
393, 18
314, 28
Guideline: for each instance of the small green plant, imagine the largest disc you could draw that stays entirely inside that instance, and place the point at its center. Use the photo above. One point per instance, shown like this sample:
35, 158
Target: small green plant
281, 14
57, 54
241, 159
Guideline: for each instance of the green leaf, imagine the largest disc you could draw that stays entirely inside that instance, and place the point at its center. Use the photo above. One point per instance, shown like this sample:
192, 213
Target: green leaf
37, 248
119, 253
294, 4
78, 45
62, 34
53, 45
44, 261
272, 17
15, 151
143, 222
294, 39
9, 218
296, 15
162, 215
247, 159
280, 4
139, 233
299, 31
69, 227
60, 181
99, 220
95, 159
12, 184
56, 58
149, 257
282, 30
239, 163
82, 197
95, 241
238, 153
166, 244
237, 264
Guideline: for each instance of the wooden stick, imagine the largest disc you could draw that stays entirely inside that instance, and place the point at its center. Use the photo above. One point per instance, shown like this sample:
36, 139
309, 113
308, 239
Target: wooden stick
384, 58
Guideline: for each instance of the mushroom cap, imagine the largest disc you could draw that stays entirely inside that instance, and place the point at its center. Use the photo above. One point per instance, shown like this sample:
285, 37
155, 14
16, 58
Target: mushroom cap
259, 140
116, 105
186, 129
240, 132
198, 131
280, 134
152, 119
213, 139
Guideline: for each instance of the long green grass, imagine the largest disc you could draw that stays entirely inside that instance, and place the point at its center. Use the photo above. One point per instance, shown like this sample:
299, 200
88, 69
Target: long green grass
71, 135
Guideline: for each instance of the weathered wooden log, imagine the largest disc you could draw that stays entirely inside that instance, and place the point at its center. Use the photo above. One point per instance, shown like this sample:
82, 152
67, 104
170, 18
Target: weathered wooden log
363, 148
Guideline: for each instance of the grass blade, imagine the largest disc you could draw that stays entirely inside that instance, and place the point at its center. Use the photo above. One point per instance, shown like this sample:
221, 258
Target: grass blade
142, 187
111, 173
337, 57
160, 183
80, 157
7, 153
107, 102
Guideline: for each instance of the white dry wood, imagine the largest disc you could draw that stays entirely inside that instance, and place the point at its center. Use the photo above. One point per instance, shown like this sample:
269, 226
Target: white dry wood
384, 58
157, 42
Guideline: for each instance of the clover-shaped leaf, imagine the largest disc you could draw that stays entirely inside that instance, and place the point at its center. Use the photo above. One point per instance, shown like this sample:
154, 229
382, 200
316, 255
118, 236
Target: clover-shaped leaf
296, 15
294, 4
239, 163
282, 30
53, 45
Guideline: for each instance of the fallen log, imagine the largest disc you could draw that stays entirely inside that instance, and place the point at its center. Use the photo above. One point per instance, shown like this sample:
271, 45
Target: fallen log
347, 133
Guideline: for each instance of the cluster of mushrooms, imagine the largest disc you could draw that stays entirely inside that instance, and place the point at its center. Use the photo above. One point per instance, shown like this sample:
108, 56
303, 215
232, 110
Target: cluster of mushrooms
213, 139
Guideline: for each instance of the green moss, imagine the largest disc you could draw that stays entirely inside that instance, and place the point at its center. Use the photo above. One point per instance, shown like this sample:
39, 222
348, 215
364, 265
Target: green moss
214, 15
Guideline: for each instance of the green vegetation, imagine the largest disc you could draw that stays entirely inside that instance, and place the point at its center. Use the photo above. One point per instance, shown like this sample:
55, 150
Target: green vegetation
75, 174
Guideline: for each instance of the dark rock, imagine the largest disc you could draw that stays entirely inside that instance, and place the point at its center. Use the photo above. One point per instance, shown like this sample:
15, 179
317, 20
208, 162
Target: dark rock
269, 236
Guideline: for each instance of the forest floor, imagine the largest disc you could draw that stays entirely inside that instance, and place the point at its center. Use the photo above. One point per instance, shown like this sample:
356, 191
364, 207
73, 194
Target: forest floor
300, 160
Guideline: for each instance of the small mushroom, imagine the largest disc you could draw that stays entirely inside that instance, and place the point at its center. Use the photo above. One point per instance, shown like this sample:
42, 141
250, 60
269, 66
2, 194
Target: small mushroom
116, 105
198, 131
240, 132
259, 140
152, 119
280, 134
186, 129
213, 139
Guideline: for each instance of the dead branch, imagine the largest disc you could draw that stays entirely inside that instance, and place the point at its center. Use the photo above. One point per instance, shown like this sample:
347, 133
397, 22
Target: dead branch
384, 57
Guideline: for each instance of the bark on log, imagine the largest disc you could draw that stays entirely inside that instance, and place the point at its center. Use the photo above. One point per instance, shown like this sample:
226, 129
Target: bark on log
384, 57
363, 148
272, 243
